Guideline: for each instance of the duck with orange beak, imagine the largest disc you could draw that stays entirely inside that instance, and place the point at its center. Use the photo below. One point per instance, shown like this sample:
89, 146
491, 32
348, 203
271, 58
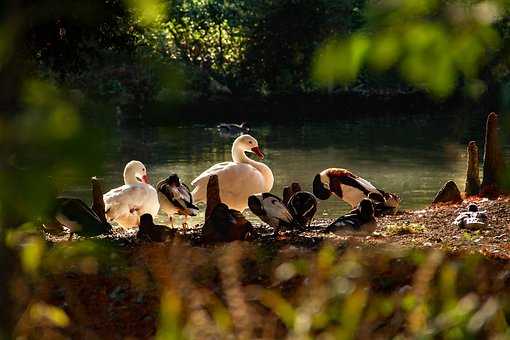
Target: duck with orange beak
352, 189
238, 179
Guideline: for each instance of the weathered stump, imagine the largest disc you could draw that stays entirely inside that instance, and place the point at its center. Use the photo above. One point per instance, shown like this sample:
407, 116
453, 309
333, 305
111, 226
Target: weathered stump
493, 164
213, 195
449, 193
473, 170
97, 199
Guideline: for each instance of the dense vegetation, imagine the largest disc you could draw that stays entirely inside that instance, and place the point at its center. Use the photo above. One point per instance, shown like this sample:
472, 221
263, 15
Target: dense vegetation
130, 54
141, 52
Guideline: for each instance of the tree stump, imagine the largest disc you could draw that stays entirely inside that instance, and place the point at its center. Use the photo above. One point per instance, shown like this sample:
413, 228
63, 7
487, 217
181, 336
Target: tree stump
449, 193
213, 195
97, 199
493, 164
473, 170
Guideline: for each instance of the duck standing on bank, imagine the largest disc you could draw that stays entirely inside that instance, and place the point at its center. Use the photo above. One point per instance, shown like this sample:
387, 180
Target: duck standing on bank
238, 179
149, 231
352, 189
271, 210
360, 219
175, 198
223, 224
136, 197
303, 206
74, 214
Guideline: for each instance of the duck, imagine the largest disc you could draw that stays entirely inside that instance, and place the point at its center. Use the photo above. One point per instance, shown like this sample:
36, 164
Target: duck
473, 218
153, 232
240, 178
125, 204
303, 206
223, 224
79, 218
175, 198
271, 210
350, 188
360, 219
231, 130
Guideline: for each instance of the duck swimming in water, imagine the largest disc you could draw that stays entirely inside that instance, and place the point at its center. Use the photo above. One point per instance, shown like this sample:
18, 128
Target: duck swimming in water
351, 189
360, 219
175, 198
233, 130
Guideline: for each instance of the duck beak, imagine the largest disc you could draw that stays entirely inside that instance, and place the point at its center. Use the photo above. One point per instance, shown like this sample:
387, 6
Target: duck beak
145, 179
257, 151
320, 190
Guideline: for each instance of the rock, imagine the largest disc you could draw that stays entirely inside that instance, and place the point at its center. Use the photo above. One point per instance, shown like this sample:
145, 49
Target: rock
473, 173
493, 164
449, 193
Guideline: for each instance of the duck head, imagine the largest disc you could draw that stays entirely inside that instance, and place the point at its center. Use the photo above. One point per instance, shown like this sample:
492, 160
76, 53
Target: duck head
246, 143
135, 172
321, 188
173, 180
391, 200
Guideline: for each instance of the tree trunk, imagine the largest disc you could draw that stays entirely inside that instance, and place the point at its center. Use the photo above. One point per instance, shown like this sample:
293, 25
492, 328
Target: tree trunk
97, 199
493, 165
473, 170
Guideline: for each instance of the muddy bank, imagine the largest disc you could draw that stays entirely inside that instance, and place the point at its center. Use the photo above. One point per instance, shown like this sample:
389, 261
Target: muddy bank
426, 228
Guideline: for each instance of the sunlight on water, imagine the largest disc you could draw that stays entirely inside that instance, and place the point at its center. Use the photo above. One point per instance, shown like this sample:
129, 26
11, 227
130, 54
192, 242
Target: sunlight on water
412, 156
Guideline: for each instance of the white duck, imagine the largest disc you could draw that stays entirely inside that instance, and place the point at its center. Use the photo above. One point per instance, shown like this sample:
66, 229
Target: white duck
136, 197
238, 179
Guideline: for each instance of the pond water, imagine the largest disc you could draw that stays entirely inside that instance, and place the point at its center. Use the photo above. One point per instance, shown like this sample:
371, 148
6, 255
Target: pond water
411, 155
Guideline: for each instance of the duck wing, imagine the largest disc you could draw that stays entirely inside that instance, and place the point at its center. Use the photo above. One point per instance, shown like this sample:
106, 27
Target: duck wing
347, 222
178, 194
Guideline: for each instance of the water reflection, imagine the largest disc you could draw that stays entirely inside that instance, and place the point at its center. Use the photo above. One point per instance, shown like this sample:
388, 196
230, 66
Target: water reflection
412, 155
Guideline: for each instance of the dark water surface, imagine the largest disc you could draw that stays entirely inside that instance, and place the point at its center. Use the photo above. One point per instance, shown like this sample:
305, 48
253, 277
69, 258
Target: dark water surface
412, 156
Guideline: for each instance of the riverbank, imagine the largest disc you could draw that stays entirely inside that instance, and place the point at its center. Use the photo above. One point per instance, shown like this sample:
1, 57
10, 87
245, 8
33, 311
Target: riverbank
413, 259
423, 229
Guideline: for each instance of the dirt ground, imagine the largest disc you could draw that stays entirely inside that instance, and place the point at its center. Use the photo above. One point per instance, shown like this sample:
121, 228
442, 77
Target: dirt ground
426, 228
123, 299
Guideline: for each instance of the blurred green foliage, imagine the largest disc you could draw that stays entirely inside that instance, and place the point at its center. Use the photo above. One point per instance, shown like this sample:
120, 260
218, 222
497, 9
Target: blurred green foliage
436, 45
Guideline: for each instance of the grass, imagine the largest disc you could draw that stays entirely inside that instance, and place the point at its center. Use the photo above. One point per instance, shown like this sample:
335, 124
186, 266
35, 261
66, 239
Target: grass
404, 229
